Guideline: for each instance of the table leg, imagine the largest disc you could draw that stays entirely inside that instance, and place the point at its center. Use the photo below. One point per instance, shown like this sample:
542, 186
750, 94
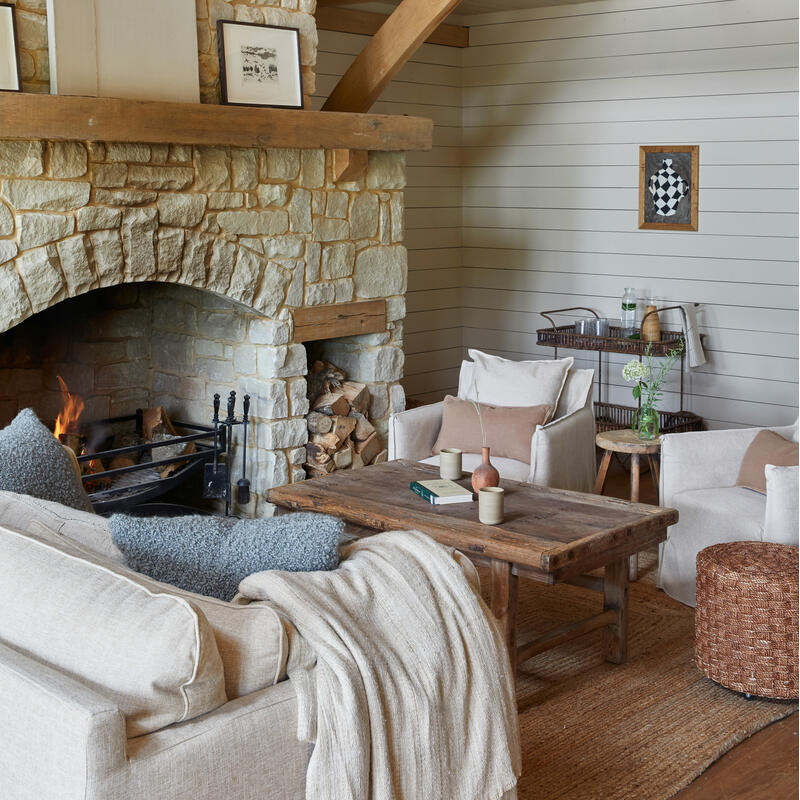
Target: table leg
635, 475
602, 472
654, 470
615, 598
504, 605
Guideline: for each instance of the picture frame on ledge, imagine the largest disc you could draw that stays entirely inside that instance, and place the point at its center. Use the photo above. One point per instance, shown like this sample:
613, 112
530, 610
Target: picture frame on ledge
10, 74
259, 65
668, 187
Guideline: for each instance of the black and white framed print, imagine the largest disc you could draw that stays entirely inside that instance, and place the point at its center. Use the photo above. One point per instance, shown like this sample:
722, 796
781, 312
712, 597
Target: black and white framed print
668, 185
10, 80
259, 65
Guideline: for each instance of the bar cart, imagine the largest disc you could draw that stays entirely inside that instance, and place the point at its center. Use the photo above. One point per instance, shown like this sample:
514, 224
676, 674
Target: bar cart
611, 416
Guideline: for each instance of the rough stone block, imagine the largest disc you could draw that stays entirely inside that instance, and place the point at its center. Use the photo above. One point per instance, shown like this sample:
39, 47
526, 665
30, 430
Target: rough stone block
212, 167
272, 293
207, 347
344, 290
172, 352
318, 294
271, 470
254, 223
75, 264
108, 260
8, 250
269, 331
195, 254
281, 163
313, 261
284, 246
139, 227
22, 159
244, 168
337, 205
338, 260
267, 398
124, 197
181, 210
160, 177
298, 402
312, 169
330, 230
386, 170
38, 229
215, 370
273, 194
14, 303
221, 200
395, 308
97, 218
379, 403
41, 275
220, 267
364, 216
226, 326
123, 376
305, 23
122, 151
68, 159
381, 271
170, 251
246, 276
294, 294
396, 207
180, 152
397, 399
33, 195
244, 359
300, 211
110, 176
6, 220
282, 433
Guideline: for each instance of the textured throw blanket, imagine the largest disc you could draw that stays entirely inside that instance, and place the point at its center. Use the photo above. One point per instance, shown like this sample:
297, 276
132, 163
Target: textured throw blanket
412, 696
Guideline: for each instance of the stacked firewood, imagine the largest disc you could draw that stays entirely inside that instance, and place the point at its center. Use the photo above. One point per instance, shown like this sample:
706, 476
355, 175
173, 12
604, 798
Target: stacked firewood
340, 435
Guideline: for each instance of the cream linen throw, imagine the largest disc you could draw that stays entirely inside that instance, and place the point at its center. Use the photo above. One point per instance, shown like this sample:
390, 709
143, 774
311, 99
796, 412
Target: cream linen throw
412, 696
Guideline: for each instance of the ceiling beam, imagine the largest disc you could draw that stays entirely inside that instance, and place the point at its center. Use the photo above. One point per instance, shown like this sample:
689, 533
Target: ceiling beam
367, 23
412, 22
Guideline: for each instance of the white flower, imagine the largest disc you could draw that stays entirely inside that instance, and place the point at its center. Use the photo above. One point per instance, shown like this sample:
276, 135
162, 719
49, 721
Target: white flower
634, 371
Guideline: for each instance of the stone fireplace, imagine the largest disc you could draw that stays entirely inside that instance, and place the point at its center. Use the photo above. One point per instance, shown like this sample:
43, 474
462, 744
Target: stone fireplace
160, 274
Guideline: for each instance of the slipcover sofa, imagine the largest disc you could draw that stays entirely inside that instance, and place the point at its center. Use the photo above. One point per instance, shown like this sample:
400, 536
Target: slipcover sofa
562, 451
698, 477
113, 685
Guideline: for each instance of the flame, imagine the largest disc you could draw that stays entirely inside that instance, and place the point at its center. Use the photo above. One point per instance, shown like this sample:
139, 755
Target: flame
71, 410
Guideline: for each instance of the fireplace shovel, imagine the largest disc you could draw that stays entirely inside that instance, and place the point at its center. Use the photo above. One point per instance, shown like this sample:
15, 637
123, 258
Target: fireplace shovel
215, 478
243, 484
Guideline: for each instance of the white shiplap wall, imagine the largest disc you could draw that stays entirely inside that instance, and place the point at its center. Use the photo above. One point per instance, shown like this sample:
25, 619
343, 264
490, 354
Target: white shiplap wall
556, 102
428, 86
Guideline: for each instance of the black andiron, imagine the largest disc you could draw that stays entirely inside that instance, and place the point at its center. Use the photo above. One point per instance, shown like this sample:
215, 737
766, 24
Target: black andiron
217, 476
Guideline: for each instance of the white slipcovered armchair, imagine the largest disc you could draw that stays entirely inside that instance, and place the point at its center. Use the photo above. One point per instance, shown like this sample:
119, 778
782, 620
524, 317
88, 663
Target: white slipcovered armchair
698, 477
562, 452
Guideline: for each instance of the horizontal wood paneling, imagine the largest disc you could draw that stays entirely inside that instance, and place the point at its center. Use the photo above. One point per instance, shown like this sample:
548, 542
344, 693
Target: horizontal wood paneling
430, 85
556, 102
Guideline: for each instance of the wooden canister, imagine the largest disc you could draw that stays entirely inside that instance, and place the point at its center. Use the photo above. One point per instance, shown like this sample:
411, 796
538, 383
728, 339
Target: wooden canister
651, 327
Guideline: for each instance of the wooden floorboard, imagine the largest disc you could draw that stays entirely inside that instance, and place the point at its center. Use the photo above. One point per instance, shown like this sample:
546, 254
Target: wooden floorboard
763, 767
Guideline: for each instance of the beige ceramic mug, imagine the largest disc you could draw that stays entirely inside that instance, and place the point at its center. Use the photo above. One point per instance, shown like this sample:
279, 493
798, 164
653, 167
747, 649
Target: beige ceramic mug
450, 464
490, 505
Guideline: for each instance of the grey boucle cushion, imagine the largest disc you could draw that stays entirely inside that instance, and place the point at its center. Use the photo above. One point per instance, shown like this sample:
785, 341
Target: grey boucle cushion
33, 462
211, 555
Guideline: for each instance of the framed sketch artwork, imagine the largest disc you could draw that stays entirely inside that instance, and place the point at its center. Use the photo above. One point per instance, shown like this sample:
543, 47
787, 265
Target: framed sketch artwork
259, 65
10, 80
668, 186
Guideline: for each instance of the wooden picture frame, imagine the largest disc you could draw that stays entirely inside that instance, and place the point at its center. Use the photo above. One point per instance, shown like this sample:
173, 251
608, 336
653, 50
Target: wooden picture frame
668, 187
10, 71
259, 65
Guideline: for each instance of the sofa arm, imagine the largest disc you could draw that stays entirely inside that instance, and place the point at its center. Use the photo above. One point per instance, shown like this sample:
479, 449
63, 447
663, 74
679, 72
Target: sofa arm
413, 433
563, 454
781, 517
702, 460
58, 734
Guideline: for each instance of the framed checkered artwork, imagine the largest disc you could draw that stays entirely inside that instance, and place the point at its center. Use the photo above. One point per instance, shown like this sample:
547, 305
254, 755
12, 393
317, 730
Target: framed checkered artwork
668, 187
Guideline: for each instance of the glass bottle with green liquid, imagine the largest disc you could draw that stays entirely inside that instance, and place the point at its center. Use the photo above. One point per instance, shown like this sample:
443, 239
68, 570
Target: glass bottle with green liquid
628, 314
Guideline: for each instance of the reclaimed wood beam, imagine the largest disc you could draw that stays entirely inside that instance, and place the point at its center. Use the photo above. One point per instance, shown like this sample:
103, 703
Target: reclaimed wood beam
61, 117
368, 23
342, 319
396, 41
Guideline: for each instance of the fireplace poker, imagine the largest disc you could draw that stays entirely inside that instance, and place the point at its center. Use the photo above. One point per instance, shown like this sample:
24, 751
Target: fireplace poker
215, 474
243, 485
230, 422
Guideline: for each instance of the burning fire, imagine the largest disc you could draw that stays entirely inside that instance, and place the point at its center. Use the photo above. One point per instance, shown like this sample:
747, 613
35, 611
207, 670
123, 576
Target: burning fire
71, 410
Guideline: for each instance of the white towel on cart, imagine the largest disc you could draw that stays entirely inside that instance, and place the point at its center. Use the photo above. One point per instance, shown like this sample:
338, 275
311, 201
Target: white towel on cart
695, 354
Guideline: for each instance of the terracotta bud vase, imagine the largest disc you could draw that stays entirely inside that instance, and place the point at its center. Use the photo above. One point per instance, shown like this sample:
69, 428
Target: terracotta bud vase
485, 474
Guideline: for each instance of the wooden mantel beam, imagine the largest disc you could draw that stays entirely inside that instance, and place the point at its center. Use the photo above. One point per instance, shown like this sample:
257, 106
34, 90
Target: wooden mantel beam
366, 23
396, 41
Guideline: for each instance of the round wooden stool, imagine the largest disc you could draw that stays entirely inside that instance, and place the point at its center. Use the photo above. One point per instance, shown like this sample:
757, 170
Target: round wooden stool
628, 442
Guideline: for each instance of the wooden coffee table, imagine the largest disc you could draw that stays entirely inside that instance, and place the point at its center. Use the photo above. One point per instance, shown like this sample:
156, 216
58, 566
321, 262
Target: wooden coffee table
548, 535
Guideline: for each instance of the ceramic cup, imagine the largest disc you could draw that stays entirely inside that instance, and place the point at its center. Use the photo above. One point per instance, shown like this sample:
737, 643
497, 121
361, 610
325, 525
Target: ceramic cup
490, 505
450, 464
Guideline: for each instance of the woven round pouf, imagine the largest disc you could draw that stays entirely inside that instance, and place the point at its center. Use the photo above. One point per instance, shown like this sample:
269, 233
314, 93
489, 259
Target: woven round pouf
746, 627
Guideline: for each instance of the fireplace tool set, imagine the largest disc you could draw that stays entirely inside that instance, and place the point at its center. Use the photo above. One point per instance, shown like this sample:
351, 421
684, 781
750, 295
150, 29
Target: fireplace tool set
138, 485
217, 476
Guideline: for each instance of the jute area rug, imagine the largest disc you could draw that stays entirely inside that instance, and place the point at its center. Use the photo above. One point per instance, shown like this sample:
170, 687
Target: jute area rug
643, 730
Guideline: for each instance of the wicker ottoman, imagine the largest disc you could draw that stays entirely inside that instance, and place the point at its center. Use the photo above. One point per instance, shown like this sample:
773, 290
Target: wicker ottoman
746, 634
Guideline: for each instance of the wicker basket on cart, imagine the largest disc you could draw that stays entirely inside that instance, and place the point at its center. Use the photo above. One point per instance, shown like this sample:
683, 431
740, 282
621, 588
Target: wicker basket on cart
746, 634
612, 417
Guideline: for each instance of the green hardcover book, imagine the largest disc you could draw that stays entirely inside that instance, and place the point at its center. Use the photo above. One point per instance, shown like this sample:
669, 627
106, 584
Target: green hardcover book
441, 492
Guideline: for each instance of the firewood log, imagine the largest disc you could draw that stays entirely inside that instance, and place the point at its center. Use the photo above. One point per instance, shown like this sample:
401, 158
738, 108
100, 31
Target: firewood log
369, 449
357, 394
363, 429
358, 462
328, 441
317, 470
343, 457
343, 427
319, 423
332, 404
381, 457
